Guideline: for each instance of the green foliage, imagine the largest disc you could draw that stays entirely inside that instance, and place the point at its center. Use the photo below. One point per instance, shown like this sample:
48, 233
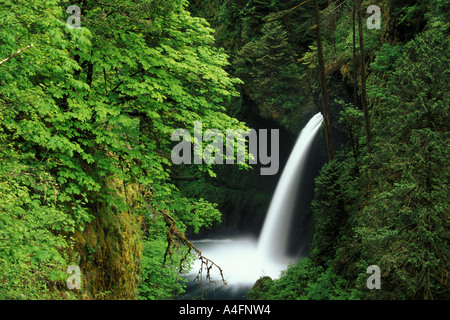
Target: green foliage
268, 66
412, 172
33, 235
388, 208
328, 286
260, 289
328, 197
158, 283
265, 40
86, 118
387, 56
304, 281
295, 280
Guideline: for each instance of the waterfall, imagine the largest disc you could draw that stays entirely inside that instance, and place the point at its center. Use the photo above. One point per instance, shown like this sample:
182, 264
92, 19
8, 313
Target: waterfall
273, 240
244, 260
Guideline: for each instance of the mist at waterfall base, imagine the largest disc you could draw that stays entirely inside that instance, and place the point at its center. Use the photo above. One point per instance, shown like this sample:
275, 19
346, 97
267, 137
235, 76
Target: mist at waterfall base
283, 239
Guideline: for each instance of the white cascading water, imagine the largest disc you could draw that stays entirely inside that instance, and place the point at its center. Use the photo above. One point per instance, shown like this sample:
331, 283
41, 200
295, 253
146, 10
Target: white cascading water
274, 235
244, 261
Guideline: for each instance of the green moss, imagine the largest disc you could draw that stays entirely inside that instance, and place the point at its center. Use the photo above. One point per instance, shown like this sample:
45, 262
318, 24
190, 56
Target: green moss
110, 251
260, 289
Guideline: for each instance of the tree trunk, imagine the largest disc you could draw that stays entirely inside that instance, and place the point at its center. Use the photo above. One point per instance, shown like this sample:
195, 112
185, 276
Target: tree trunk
355, 63
363, 76
323, 84
355, 76
332, 24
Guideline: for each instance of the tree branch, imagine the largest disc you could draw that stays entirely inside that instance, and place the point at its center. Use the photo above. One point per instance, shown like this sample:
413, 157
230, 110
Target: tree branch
286, 12
175, 237
17, 53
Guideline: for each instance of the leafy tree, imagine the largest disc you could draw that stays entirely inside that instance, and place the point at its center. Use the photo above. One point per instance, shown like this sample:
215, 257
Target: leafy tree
89, 113
33, 232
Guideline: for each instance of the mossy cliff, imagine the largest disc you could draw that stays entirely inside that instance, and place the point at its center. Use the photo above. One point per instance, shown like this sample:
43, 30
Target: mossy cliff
110, 253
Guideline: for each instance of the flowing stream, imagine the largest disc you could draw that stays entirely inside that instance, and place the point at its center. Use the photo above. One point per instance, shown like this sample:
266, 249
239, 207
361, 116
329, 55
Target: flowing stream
245, 260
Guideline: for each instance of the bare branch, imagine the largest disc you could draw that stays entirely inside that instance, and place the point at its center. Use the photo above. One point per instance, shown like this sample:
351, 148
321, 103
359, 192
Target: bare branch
286, 12
175, 238
17, 53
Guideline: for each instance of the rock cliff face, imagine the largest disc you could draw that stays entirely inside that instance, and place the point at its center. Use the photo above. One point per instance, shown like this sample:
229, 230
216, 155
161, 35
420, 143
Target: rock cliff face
110, 251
